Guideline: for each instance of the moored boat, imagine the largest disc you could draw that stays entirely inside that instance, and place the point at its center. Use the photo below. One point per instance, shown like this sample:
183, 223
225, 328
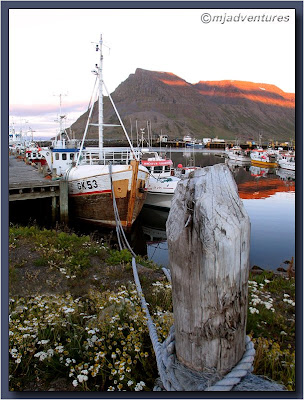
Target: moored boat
33, 153
287, 161
263, 158
195, 145
106, 186
238, 154
162, 182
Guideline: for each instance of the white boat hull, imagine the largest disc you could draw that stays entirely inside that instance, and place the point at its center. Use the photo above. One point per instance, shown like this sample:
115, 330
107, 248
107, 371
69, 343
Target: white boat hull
159, 200
291, 166
236, 157
160, 192
90, 193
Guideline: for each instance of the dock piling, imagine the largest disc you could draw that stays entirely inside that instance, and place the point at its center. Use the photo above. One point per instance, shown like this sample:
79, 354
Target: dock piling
64, 201
208, 232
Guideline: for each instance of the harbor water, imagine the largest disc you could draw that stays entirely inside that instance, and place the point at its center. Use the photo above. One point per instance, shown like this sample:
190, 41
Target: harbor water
268, 196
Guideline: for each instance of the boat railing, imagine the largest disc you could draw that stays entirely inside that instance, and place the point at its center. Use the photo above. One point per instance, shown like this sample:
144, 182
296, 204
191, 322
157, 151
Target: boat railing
104, 156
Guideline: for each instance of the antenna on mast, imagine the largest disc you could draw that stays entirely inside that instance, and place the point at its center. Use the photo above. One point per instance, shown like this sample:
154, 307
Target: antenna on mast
61, 116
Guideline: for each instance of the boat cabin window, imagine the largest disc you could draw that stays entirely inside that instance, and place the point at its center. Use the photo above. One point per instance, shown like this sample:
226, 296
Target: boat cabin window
167, 168
158, 169
56, 156
64, 156
71, 156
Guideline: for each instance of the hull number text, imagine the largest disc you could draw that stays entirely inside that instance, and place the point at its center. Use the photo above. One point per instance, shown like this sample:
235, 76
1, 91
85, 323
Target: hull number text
87, 184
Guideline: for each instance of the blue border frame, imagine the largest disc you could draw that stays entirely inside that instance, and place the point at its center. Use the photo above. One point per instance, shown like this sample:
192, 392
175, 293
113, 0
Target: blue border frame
5, 7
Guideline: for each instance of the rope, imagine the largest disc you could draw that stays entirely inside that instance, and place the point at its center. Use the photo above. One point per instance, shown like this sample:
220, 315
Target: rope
167, 273
122, 240
174, 376
188, 380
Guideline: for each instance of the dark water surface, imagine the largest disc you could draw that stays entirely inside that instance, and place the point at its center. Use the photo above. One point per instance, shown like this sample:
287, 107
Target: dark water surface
268, 196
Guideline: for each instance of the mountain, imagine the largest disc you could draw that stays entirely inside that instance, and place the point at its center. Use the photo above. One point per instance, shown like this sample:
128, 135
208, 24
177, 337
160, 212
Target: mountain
227, 109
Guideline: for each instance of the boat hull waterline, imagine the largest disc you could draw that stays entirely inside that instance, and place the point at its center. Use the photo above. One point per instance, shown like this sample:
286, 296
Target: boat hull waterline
264, 163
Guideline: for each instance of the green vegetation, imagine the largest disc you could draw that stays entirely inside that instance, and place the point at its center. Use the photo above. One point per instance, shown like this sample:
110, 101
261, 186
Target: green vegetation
77, 318
271, 323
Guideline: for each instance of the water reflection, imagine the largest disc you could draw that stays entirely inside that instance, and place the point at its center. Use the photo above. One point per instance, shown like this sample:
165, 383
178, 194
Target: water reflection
269, 198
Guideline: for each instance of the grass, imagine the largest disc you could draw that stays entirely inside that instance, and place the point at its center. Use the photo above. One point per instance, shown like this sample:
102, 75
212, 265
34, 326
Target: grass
98, 340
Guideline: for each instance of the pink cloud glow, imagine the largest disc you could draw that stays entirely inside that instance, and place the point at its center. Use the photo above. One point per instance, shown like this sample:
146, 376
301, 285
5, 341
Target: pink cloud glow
43, 109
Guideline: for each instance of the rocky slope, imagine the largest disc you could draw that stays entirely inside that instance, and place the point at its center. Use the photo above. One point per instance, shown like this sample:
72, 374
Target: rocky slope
227, 109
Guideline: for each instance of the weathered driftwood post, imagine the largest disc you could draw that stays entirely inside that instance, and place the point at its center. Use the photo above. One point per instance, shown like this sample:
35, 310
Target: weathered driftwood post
208, 232
64, 201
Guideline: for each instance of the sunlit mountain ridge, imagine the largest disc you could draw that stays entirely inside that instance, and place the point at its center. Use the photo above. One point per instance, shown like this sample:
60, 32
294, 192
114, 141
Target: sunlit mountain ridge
227, 109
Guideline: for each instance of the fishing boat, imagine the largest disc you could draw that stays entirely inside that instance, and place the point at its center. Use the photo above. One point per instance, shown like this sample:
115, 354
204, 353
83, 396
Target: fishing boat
106, 187
63, 151
33, 153
286, 174
238, 154
263, 158
162, 182
16, 142
287, 161
195, 145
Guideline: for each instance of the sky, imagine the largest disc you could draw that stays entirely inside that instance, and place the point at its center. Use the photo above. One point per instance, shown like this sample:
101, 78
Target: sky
52, 52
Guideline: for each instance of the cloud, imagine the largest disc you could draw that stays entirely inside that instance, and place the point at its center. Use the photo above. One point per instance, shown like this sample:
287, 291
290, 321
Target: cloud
27, 110
43, 118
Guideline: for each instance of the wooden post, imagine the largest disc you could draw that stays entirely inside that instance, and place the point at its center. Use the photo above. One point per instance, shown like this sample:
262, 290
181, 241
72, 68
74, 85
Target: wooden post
135, 166
44, 170
39, 166
64, 201
54, 209
54, 173
208, 232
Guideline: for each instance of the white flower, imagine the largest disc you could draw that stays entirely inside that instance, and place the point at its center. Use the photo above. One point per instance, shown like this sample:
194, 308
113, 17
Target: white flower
268, 306
75, 382
254, 310
50, 352
283, 333
42, 355
130, 383
43, 341
60, 349
266, 281
139, 386
68, 310
82, 378
110, 389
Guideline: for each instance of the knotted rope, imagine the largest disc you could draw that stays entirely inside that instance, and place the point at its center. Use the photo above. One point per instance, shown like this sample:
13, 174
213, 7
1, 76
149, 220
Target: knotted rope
173, 375
180, 378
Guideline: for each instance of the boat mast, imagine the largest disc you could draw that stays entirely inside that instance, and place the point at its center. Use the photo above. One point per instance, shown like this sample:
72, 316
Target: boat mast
61, 116
100, 102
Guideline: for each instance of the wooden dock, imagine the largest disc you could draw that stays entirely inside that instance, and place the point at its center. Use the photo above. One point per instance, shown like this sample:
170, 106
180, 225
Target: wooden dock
26, 182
